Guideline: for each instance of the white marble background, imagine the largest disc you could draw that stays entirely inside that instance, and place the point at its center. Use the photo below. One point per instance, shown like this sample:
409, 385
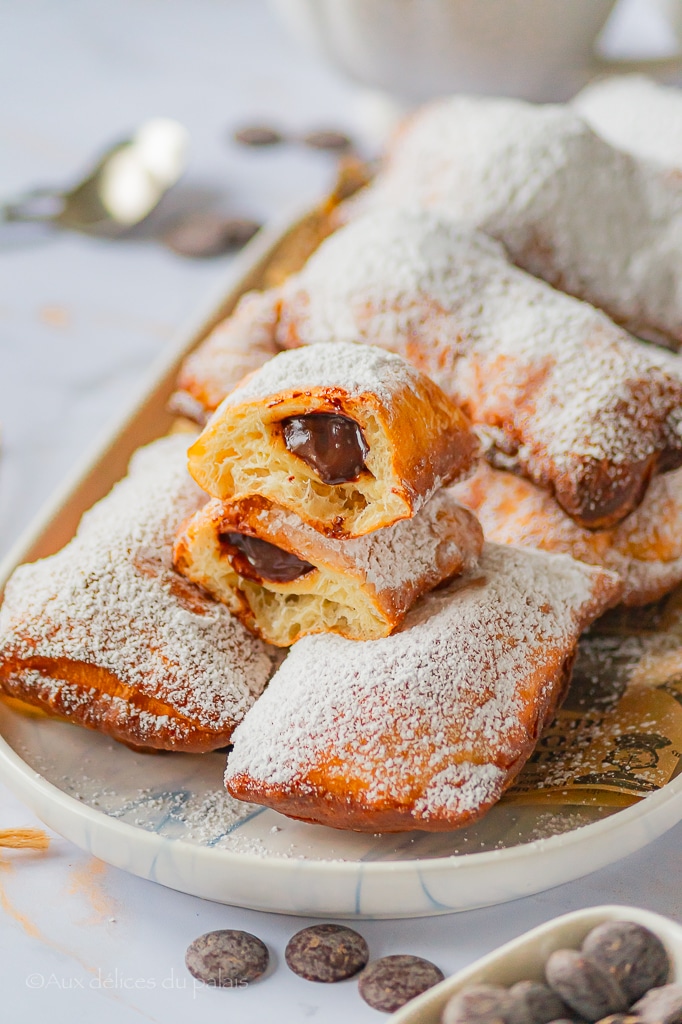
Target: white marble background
81, 321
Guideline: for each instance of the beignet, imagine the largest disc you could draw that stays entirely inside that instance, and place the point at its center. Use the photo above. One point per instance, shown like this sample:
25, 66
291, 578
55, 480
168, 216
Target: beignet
558, 392
283, 579
350, 438
645, 549
238, 345
106, 634
426, 728
589, 218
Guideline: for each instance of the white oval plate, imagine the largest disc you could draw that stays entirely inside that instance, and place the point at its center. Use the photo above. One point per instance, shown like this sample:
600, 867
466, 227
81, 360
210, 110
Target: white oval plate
167, 818
525, 957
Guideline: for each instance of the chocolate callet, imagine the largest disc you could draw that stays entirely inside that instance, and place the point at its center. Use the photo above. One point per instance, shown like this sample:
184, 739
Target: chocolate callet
332, 445
258, 135
327, 138
227, 958
389, 983
326, 953
258, 560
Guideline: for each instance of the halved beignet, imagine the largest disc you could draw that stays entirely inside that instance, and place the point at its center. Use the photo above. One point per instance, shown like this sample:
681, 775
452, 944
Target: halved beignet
350, 438
108, 635
645, 549
293, 580
238, 345
558, 391
426, 728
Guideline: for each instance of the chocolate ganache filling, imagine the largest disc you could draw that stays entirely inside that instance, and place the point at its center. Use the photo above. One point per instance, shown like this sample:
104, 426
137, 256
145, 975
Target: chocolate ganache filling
332, 445
258, 560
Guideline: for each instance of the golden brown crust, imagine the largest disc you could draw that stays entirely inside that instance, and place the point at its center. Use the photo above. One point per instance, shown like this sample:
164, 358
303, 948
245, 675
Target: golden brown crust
418, 438
93, 697
645, 549
339, 801
107, 635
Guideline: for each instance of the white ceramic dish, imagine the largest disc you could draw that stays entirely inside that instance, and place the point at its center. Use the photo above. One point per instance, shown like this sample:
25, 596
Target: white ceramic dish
168, 819
524, 958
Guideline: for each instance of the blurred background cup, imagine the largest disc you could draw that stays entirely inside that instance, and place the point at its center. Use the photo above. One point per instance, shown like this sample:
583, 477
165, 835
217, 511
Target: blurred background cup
415, 49
406, 51
672, 12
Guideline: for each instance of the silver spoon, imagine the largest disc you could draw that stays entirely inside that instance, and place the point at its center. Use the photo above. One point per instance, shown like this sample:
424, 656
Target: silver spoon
126, 184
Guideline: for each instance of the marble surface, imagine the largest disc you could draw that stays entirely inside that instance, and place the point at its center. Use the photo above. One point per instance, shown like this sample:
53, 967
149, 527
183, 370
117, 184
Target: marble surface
81, 322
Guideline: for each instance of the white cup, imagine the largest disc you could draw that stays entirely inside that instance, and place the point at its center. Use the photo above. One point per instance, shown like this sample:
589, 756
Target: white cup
672, 13
415, 49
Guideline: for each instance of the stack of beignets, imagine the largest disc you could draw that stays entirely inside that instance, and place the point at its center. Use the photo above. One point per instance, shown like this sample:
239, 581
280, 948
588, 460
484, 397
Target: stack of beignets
558, 393
328, 511
333, 467
106, 634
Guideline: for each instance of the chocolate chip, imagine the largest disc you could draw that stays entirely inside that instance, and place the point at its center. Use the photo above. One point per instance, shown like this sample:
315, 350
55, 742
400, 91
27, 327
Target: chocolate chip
660, 1005
203, 236
227, 958
258, 135
584, 985
535, 1003
633, 955
479, 1004
326, 138
256, 559
389, 983
326, 953
332, 445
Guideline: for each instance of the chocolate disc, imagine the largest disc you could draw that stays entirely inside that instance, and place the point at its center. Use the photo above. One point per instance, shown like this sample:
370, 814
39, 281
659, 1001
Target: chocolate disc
258, 135
327, 138
326, 953
389, 983
332, 445
227, 958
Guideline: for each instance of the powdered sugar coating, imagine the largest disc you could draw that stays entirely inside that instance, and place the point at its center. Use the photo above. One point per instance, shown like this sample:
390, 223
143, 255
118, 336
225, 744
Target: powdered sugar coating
555, 381
396, 558
645, 549
435, 719
354, 369
636, 114
237, 346
111, 599
570, 208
